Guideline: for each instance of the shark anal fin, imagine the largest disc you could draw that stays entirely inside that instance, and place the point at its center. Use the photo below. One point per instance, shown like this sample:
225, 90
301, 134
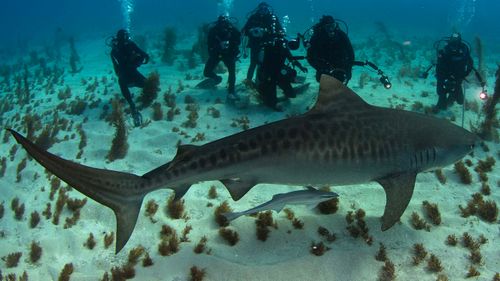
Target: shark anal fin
237, 188
398, 191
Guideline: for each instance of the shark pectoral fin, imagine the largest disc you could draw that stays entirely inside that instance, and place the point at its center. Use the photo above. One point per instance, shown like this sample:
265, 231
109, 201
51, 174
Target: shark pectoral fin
398, 191
237, 188
126, 218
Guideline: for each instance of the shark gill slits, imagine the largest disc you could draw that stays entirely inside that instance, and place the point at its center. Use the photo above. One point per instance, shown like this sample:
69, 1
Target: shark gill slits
433, 154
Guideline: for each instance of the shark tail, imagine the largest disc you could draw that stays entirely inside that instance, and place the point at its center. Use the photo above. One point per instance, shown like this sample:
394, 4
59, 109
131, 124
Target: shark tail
99, 184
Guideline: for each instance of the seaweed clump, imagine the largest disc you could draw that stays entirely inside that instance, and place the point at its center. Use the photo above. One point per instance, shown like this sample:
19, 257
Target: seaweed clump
463, 172
231, 236
175, 208
487, 129
66, 272
220, 219
263, 222
150, 90
119, 145
169, 42
360, 229
486, 210
432, 212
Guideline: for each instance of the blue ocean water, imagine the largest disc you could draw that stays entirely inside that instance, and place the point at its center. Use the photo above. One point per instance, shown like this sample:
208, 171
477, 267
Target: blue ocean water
29, 19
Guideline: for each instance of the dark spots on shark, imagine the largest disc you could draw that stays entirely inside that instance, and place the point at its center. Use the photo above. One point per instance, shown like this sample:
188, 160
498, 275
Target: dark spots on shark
286, 144
213, 159
281, 133
297, 144
263, 149
274, 145
253, 144
223, 154
175, 172
243, 147
322, 128
202, 162
193, 165
293, 133
268, 135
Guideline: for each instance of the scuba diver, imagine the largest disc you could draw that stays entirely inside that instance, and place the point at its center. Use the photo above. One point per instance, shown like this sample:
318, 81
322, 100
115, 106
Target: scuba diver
330, 50
454, 64
127, 57
223, 45
273, 71
262, 26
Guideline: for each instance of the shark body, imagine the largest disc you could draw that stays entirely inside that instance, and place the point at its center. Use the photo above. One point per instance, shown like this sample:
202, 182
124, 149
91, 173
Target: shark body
342, 140
310, 197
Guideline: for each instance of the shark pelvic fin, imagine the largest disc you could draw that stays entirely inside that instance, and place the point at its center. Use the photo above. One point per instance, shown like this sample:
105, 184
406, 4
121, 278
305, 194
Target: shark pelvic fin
398, 191
237, 188
113, 189
335, 95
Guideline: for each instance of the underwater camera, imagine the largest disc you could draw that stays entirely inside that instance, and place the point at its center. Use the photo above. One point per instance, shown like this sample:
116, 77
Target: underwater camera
385, 81
294, 44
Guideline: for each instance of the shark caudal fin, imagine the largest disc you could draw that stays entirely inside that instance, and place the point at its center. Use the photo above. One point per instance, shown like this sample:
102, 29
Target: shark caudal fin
116, 190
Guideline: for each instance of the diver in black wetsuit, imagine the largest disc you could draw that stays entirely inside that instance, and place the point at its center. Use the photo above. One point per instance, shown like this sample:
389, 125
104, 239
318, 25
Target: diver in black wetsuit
223, 45
454, 64
330, 51
127, 57
262, 25
273, 71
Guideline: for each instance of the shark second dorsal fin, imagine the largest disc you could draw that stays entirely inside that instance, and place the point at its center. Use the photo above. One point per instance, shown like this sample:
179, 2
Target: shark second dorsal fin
335, 95
398, 191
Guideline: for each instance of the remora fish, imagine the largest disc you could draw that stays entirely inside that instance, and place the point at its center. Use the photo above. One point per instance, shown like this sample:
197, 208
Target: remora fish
342, 140
309, 197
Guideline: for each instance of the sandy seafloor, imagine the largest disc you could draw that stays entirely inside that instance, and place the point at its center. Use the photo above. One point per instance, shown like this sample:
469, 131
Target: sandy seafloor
285, 255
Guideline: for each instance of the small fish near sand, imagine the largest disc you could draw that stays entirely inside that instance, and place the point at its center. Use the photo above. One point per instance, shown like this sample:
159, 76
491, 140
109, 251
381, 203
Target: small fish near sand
310, 197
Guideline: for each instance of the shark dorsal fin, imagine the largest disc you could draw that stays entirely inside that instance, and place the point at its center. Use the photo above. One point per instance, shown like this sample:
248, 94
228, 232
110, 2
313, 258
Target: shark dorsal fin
335, 95
182, 152
310, 188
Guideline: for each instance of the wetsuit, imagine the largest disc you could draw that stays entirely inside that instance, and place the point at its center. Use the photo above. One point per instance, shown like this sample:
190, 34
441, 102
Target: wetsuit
331, 52
127, 57
223, 45
260, 28
272, 71
454, 63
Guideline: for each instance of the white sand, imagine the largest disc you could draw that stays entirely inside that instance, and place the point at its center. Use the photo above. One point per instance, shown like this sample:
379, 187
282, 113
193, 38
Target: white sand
284, 256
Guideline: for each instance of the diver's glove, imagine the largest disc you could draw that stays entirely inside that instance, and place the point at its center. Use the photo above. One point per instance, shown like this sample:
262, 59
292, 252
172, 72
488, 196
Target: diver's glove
137, 119
302, 68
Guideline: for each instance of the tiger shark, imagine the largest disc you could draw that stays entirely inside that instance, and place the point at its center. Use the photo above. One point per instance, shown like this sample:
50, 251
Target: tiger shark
341, 140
